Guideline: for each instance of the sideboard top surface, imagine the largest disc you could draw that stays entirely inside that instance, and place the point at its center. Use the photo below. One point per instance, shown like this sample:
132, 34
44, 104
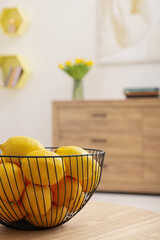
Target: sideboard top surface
136, 102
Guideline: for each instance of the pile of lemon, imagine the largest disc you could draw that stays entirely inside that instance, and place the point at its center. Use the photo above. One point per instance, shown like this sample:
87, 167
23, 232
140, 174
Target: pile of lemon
41, 186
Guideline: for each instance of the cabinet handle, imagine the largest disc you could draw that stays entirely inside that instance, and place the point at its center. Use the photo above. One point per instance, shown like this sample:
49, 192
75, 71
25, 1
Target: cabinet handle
94, 140
99, 115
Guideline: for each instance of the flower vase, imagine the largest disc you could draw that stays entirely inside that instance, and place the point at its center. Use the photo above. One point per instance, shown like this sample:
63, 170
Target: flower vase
78, 89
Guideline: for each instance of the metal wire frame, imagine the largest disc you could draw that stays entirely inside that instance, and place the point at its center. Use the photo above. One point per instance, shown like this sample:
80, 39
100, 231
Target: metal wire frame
12, 222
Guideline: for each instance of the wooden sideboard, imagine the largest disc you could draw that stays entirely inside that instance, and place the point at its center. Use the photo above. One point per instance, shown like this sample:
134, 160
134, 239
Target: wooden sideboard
129, 132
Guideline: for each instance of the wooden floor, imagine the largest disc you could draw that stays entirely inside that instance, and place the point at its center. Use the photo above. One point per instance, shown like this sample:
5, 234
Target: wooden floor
98, 221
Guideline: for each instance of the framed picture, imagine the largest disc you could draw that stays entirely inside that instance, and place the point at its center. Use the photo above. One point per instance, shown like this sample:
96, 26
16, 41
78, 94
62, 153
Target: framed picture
128, 31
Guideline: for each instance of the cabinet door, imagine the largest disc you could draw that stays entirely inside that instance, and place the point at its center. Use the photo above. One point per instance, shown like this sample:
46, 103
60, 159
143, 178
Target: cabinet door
121, 174
151, 132
152, 171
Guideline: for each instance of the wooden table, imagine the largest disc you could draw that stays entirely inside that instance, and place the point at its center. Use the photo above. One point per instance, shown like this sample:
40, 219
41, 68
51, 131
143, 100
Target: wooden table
97, 221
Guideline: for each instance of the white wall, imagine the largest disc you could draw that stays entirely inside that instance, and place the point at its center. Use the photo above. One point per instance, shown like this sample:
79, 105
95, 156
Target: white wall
59, 30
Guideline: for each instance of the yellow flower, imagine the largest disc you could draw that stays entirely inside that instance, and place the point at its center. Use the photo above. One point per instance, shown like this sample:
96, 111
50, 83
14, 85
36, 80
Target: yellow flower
89, 63
68, 63
79, 60
61, 66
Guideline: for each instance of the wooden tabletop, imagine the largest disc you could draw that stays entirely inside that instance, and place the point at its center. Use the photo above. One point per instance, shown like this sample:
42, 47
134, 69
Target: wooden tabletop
97, 221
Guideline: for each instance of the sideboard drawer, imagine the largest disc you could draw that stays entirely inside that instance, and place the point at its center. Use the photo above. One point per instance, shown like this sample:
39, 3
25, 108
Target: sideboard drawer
114, 143
111, 119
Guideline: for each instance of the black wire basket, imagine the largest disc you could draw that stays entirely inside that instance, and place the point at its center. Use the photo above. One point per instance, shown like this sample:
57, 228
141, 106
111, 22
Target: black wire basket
35, 194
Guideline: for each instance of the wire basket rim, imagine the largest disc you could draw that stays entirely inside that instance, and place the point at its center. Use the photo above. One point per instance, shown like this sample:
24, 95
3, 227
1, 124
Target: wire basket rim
99, 152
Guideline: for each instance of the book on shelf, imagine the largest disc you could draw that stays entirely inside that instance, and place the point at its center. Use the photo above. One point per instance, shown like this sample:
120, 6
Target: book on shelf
142, 92
8, 77
17, 76
13, 76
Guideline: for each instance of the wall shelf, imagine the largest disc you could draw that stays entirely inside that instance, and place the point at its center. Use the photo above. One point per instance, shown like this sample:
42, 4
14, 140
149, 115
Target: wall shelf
15, 71
13, 21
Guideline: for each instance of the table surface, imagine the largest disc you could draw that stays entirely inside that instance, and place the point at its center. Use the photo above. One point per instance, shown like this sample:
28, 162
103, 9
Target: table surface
97, 221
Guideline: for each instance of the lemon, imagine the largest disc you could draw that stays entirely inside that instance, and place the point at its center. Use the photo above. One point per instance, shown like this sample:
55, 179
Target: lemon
54, 216
68, 190
26, 182
77, 167
37, 200
76, 203
90, 184
2, 160
11, 182
19, 146
41, 170
11, 211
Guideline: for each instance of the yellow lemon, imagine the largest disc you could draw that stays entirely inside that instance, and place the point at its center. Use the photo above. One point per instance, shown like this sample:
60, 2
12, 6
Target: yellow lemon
76, 203
11, 211
53, 217
19, 146
90, 184
11, 182
68, 189
37, 200
26, 182
2, 160
77, 167
41, 170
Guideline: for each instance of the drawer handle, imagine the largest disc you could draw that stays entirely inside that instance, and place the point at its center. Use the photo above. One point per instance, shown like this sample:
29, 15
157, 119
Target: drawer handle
99, 115
94, 140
